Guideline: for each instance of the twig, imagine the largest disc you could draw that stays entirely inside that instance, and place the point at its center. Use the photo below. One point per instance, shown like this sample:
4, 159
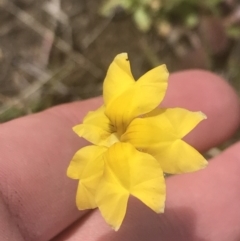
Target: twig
5, 29
39, 74
32, 23
53, 8
90, 38
59, 75
149, 53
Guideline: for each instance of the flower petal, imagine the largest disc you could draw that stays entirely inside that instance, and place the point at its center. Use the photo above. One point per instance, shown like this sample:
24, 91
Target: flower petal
111, 200
96, 128
129, 172
118, 79
160, 134
147, 133
87, 166
145, 95
82, 158
179, 157
178, 121
84, 198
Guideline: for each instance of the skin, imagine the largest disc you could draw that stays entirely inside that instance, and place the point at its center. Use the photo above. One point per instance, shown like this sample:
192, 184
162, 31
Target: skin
37, 200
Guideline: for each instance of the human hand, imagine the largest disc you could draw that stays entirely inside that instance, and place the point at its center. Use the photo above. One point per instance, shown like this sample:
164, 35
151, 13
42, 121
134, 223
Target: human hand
37, 200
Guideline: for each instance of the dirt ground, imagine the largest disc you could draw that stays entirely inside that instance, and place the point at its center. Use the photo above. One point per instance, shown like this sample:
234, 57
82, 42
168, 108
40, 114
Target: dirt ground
46, 61
58, 51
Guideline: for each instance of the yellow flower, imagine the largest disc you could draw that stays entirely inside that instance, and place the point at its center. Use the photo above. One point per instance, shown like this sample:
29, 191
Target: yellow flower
134, 144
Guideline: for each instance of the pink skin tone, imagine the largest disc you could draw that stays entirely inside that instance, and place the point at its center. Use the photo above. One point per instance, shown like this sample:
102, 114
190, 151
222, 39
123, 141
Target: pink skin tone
37, 200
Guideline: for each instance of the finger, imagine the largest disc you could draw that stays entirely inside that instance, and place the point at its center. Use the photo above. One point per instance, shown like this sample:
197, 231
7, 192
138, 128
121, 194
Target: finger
36, 151
8, 231
200, 206
204, 91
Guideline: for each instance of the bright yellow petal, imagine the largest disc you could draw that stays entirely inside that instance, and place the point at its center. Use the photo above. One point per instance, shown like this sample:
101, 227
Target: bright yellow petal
161, 125
81, 159
88, 184
129, 172
178, 121
87, 165
111, 199
160, 134
96, 128
179, 157
147, 133
144, 96
147, 182
84, 198
118, 79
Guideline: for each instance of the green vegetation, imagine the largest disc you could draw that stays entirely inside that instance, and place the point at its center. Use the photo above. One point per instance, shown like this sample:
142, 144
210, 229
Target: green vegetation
150, 12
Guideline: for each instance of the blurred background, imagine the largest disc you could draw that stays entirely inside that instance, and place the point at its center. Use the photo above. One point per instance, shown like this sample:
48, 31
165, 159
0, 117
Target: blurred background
57, 51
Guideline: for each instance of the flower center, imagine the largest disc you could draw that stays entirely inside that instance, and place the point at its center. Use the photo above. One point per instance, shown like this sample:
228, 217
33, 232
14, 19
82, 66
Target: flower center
114, 138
